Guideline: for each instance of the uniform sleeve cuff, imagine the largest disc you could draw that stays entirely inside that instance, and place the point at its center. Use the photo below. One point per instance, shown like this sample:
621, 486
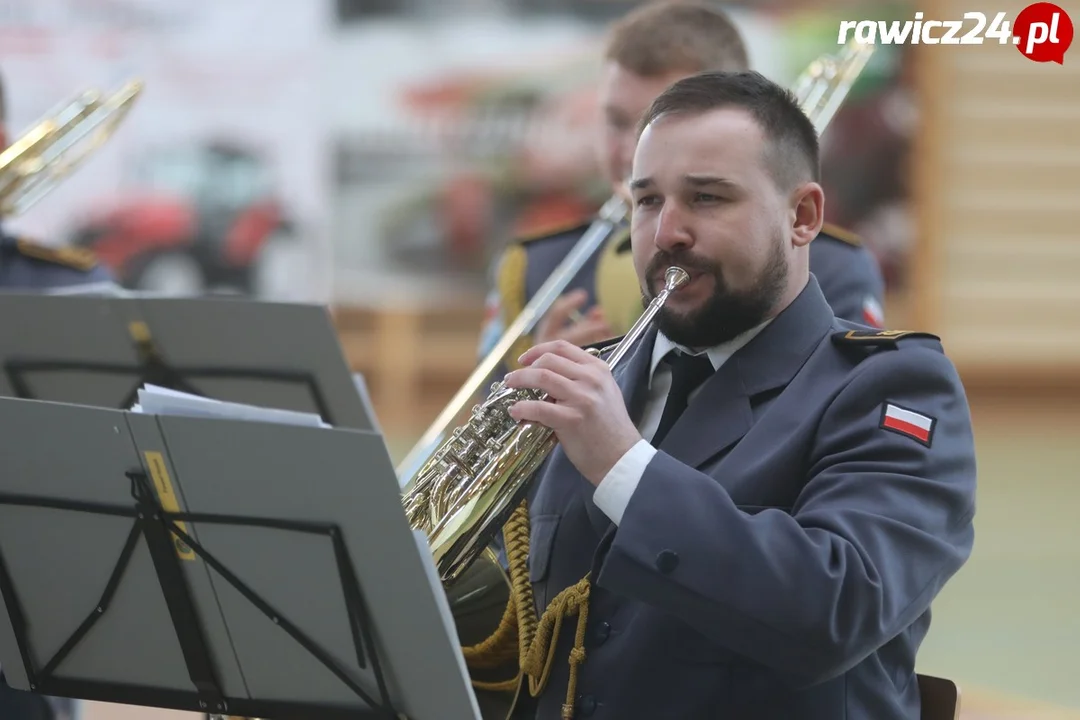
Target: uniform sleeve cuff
613, 493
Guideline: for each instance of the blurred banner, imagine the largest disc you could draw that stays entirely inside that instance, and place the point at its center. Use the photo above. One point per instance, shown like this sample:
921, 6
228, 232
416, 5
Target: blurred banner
431, 164
478, 123
372, 151
217, 180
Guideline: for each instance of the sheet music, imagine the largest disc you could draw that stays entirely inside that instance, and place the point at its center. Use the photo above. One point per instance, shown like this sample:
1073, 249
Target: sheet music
156, 400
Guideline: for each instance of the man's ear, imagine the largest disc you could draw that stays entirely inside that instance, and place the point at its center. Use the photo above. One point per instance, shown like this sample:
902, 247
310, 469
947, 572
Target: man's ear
808, 203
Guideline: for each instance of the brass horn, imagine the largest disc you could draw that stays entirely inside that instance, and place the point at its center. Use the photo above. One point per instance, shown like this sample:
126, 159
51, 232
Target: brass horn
56, 145
608, 220
465, 493
475, 480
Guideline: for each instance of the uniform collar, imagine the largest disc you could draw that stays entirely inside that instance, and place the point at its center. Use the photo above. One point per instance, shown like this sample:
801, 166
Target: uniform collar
718, 354
764, 358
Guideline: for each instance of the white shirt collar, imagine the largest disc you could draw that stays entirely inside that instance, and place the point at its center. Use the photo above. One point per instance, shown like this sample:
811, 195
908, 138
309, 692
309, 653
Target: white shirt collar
718, 354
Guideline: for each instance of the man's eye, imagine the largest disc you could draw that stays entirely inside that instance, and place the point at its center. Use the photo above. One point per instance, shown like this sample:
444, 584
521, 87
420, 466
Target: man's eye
646, 200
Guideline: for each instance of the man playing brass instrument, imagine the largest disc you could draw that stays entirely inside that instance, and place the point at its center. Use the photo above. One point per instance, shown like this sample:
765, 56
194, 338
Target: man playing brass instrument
761, 503
649, 49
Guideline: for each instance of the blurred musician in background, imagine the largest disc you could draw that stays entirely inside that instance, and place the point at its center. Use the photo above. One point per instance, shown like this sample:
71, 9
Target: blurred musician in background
648, 50
27, 265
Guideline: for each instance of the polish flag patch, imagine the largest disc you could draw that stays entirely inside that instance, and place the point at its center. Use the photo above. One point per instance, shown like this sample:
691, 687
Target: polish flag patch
872, 313
908, 422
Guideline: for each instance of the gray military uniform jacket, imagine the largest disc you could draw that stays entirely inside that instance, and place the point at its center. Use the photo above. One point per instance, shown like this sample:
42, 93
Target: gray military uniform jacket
780, 555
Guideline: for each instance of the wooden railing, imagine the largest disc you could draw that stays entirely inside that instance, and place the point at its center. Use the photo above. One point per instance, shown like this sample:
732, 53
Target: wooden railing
413, 358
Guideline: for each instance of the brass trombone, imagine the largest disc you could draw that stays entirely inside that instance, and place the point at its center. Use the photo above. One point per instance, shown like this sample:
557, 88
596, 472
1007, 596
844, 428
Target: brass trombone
43, 156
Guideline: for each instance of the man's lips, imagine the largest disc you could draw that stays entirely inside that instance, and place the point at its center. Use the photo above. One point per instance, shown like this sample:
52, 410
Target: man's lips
659, 280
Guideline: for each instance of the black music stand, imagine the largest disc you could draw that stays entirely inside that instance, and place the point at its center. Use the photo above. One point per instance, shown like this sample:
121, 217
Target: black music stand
217, 566
96, 350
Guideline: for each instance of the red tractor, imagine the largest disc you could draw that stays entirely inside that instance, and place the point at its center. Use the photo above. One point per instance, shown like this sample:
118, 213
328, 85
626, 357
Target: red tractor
202, 219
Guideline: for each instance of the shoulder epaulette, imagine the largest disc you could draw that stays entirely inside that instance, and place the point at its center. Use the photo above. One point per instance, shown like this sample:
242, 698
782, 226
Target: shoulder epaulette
79, 259
842, 234
877, 337
510, 281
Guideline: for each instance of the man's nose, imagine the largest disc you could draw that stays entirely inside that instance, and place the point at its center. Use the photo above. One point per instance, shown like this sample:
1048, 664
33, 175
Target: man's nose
671, 229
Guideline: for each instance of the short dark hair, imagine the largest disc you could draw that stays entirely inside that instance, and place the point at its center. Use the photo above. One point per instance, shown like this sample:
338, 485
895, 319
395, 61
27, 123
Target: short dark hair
792, 142
671, 36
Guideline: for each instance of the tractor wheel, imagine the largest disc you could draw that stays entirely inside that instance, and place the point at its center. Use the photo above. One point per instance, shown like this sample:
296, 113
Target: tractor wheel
172, 274
280, 270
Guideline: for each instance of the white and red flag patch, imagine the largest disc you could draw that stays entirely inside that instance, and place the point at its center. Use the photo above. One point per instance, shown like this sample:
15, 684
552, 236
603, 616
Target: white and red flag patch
908, 422
873, 314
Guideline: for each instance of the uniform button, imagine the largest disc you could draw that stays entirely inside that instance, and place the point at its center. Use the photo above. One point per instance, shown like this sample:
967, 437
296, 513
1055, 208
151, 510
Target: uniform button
587, 706
601, 632
667, 561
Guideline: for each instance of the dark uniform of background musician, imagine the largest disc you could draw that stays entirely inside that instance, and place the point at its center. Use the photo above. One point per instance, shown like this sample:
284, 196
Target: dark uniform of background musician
648, 50
26, 265
763, 500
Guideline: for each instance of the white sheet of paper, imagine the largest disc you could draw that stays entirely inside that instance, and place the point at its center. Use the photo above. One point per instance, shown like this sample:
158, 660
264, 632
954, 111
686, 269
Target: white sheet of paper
109, 289
156, 400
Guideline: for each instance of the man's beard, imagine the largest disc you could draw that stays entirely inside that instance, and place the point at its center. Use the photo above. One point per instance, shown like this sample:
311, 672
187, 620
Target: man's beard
726, 314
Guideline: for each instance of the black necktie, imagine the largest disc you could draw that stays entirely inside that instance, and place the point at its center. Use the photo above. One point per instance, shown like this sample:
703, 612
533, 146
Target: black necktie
687, 373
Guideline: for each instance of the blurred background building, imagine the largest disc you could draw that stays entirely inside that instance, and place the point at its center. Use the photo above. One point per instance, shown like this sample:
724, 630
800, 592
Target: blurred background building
375, 154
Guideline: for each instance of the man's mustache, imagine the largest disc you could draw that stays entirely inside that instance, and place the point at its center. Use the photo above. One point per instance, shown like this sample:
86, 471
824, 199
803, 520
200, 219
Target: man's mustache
661, 261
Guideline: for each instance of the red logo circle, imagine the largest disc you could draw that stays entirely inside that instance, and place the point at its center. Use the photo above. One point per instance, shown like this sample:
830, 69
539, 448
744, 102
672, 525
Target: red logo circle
1043, 32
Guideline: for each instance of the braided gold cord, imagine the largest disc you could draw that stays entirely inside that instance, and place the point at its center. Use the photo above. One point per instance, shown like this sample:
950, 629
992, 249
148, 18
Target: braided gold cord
534, 637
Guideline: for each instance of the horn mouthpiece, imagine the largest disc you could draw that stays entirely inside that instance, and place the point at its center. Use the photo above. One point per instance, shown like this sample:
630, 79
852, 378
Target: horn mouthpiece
675, 278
